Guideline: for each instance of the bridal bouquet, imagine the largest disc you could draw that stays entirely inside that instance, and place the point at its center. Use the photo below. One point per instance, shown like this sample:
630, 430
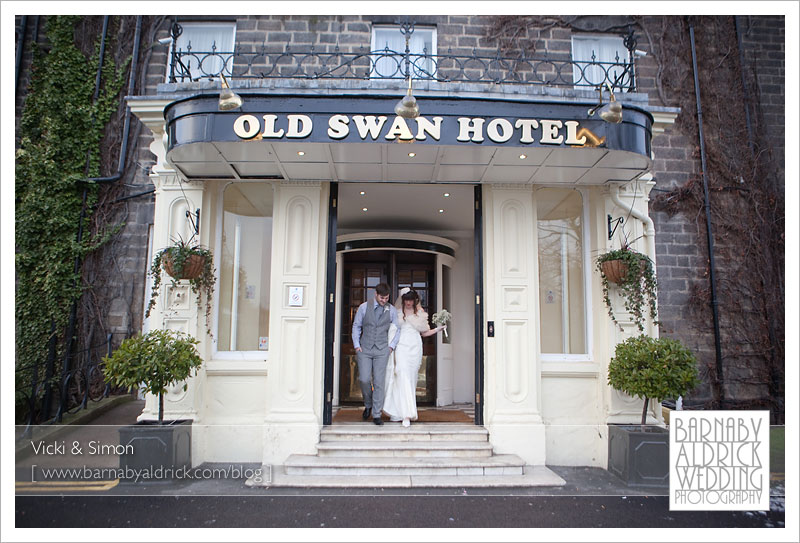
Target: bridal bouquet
440, 318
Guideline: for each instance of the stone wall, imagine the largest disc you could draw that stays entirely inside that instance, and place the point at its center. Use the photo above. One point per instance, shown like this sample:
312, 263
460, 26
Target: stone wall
681, 241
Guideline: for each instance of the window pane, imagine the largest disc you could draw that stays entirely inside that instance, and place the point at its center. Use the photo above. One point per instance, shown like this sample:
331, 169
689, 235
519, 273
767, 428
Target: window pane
561, 271
245, 263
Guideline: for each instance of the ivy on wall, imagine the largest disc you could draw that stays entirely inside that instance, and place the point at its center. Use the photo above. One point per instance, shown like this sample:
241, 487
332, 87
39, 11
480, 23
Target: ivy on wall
59, 138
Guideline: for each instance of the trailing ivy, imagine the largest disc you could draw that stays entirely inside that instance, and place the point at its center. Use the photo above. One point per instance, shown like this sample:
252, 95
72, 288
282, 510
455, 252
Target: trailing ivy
60, 133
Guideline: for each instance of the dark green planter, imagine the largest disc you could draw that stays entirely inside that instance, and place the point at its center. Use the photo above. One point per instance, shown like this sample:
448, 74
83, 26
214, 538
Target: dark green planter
640, 458
159, 452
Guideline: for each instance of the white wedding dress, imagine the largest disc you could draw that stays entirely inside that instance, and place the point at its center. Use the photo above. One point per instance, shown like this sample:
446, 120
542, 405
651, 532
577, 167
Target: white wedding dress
403, 366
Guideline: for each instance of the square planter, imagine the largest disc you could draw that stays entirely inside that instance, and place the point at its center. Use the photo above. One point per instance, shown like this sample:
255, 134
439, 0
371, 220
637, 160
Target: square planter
155, 452
640, 458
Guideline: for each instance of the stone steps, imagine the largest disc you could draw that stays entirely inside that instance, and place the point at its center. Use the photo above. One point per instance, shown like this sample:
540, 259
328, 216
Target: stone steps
533, 476
392, 431
424, 454
395, 448
304, 464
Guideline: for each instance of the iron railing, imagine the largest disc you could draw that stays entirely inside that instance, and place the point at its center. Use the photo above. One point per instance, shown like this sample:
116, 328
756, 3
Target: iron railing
189, 65
48, 399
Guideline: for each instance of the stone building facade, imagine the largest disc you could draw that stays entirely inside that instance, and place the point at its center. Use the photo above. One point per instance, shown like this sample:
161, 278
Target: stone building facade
679, 246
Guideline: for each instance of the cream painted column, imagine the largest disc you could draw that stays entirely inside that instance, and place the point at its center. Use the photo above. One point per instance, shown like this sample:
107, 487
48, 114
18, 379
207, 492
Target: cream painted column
629, 201
512, 374
175, 307
294, 383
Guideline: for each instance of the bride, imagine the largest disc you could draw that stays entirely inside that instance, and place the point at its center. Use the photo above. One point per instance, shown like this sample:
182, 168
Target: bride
403, 365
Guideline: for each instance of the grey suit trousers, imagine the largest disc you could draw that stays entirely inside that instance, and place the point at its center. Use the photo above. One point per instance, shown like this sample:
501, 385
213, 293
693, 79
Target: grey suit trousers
371, 377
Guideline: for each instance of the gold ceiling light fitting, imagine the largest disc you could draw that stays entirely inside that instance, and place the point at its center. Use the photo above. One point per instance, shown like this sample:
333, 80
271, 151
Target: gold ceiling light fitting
407, 108
610, 112
228, 99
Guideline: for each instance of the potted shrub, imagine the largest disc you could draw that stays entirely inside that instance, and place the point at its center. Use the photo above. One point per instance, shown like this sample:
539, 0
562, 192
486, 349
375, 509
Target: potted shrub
634, 274
647, 368
184, 260
153, 362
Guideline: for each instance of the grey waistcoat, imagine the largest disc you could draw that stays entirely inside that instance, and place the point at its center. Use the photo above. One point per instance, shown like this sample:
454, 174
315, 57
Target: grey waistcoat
375, 332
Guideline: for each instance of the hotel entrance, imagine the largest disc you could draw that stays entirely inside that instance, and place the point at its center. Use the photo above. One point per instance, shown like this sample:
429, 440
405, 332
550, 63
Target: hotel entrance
420, 236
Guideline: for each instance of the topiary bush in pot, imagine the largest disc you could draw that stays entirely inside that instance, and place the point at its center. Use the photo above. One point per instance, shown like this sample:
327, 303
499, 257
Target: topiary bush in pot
152, 362
652, 368
647, 367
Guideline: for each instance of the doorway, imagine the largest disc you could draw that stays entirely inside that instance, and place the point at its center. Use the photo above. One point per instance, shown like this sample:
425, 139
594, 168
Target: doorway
423, 236
362, 271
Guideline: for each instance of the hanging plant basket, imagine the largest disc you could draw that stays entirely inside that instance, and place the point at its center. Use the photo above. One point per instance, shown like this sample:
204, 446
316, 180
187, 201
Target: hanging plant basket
180, 261
633, 274
192, 267
615, 270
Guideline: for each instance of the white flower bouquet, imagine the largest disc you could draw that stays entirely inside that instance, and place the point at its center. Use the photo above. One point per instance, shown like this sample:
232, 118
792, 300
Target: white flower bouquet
442, 318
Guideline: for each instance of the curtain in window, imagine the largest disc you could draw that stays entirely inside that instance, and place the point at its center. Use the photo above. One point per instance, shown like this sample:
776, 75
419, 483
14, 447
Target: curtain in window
606, 49
420, 43
203, 38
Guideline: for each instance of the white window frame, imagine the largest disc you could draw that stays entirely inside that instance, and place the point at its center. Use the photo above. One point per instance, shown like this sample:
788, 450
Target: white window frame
376, 46
602, 45
184, 40
588, 321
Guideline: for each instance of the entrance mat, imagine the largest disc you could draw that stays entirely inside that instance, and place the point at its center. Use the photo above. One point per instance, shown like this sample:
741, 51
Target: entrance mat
353, 414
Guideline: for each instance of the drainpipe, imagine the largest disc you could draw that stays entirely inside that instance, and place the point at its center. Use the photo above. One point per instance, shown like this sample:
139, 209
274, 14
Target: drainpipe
131, 86
20, 46
744, 88
707, 206
649, 230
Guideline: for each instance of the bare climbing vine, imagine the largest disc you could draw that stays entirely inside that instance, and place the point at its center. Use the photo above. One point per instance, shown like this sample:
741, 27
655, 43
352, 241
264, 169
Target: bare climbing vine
746, 192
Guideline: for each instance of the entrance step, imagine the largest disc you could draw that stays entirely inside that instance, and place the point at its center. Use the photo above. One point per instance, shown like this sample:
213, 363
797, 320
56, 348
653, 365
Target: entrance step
395, 432
507, 464
397, 448
432, 455
533, 476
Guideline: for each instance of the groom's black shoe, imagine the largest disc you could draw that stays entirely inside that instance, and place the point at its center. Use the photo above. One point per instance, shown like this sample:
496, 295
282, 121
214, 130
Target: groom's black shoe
378, 421
365, 414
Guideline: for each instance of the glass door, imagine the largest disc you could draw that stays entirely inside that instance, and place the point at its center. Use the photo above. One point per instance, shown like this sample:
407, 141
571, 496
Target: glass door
419, 275
362, 271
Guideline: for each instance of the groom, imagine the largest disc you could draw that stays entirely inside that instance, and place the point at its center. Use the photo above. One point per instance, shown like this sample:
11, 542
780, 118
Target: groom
372, 345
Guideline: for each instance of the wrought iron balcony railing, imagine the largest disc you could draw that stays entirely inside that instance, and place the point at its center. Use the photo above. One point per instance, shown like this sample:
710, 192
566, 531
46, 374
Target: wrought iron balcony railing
192, 65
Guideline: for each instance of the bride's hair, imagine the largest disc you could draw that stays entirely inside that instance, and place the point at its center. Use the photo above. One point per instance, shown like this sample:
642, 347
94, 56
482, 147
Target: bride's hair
407, 297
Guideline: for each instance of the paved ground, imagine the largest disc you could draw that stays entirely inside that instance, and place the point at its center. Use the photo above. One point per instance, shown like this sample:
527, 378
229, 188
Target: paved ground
592, 497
